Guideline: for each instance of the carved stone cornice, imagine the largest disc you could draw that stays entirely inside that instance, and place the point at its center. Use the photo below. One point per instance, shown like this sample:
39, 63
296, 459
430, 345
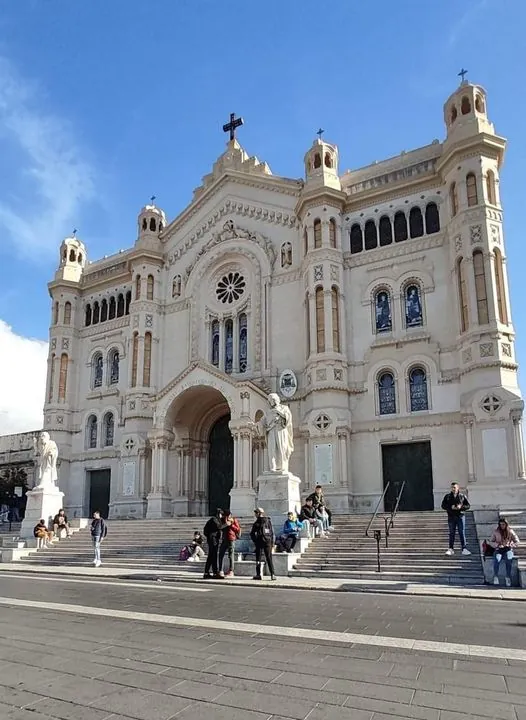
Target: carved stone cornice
183, 304
287, 277
97, 275
393, 251
385, 194
106, 327
379, 424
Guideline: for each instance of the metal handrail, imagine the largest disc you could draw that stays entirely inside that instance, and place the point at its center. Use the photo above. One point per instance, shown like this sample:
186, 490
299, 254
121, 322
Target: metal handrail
389, 522
375, 514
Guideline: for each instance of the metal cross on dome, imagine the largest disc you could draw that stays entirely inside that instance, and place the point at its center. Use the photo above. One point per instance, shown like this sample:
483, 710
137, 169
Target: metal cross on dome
462, 74
320, 132
230, 127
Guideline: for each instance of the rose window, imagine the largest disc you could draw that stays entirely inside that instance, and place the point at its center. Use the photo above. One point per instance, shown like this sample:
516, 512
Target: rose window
491, 404
230, 288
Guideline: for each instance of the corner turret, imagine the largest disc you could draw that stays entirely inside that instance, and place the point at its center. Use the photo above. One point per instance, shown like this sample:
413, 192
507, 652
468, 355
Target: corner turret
72, 259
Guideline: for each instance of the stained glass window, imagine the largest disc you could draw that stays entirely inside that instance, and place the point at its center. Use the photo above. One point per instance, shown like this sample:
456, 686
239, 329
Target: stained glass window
92, 432
114, 368
387, 394
215, 343
243, 349
229, 346
418, 390
109, 427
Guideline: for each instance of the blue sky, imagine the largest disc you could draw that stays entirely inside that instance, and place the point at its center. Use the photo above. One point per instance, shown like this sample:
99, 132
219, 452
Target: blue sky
105, 104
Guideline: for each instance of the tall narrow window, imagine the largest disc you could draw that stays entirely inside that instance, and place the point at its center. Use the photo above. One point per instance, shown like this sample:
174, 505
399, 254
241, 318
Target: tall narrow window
135, 358
120, 305
490, 187
98, 370
137, 287
480, 287
112, 310
382, 308
305, 241
96, 312
501, 290
356, 239
109, 429
416, 222
320, 321
215, 343
465, 106
463, 295
67, 313
317, 233
471, 190
52, 370
229, 346
386, 394
371, 236
147, 366
114, 367
413, 307
152, 224
88, 315
307, 322
104, 310
91, 432
55, 313
386, 231
418, 397
432, 218
332, 232
335, 308
453, 199
128, 301
63, 378
243, 343
149, 287
400, 227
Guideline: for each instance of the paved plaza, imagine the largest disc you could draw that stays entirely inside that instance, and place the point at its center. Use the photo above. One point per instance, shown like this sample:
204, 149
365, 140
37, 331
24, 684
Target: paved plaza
82, 648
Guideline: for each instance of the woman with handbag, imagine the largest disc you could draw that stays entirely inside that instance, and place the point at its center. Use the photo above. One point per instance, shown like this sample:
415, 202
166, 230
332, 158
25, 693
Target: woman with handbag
503, 540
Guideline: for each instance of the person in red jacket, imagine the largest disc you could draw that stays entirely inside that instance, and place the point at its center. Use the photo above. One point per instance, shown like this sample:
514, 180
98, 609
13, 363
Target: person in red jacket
231, 532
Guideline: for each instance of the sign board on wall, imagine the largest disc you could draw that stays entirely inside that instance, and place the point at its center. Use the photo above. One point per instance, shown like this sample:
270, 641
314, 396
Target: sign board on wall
495, 453
128, 478
323, 464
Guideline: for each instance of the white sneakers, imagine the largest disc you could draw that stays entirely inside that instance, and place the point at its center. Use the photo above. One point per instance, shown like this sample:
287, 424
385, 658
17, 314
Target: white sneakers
450, 552
496, 580
466, 552
98, 563
508, 582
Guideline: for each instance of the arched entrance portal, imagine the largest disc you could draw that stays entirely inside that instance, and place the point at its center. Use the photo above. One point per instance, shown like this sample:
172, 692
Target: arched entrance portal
220, 465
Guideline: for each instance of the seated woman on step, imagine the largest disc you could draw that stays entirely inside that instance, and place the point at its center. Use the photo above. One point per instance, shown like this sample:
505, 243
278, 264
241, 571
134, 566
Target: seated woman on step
195, 549
503, 540
43, 535
289, 537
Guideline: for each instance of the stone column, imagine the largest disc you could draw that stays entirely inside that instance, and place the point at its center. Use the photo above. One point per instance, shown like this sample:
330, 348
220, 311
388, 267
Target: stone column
467, 265
221, 345
242, 495
306, 448
468, 425
345, 479
491, 286
312, 323
159, 499
519, 446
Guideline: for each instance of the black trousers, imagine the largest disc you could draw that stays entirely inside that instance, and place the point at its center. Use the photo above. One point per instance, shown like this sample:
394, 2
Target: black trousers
212, 559
266, 549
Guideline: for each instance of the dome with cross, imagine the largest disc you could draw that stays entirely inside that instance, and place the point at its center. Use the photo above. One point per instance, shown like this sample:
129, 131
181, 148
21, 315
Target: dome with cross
321, 164
151, 220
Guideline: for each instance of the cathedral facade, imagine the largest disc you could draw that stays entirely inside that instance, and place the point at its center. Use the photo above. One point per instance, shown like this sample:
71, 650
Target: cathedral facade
375, 303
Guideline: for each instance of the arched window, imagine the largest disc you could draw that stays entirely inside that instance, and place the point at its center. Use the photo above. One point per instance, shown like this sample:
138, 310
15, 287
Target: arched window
87, 320
416, 222
79, 259
104, 310
243, 343
317, 233
120, 305
490, 187
128, 301
386, 394
97, 365
320, 321
135, 358
67, 313
356, 239
114, 367
91, 432
72, 255
305, 241
144, 224
462, 295
328, 160
149, 287
152, 224
454, 113
55, 313
96, 312
382, 307
432, 218
137, 287
453, 199
386, 231
332, 233
371, 236
147, 360
108, 425
112, 309
229, 346
480, 287
176, 286
335, 311
471, 189
418, 396
400, 227
63, 378
413, 306
479, 103
215, 343
286, 254
317, 160
465, 106
501, 290
52, 370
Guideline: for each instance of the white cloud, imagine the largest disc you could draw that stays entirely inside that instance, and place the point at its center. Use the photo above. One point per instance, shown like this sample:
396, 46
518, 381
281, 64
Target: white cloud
52, 181
23, 368
465, 21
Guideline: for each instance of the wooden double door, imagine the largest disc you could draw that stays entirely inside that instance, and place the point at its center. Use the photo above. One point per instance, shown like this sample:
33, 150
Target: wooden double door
410, 462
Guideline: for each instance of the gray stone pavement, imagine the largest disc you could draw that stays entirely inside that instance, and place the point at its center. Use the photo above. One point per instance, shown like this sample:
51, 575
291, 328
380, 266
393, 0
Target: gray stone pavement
59, 662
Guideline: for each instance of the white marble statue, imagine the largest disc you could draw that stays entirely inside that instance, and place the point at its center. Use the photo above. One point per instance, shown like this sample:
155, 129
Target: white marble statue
46, 452
277, 425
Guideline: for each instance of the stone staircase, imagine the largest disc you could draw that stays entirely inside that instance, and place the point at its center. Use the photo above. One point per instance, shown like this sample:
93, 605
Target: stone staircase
416, 552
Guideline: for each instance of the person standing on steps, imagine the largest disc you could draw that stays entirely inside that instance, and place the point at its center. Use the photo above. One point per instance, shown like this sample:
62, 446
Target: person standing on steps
456, 504
212, 532
98, 533
262, 535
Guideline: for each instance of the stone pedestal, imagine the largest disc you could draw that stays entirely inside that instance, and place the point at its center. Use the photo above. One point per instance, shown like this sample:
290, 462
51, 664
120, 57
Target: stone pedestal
41, 503
278, 493
180, 507
159, 506
243, 502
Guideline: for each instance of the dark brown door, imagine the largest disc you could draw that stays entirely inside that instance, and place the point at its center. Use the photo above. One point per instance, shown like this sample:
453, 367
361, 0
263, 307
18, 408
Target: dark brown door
220, 465
99, 492
410, 462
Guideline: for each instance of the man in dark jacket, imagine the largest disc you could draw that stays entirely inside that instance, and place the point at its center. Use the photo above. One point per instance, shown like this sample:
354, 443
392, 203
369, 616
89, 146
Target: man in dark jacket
308, 515
212, 533
262, 535
456, 504
231, 531
318, 502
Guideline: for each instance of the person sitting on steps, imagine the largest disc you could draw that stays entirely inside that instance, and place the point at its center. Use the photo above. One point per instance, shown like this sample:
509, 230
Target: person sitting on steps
61, 525
262, 535
504, 539
319, 504
43, 535
196, 548
308, 515
456, 504
291, 532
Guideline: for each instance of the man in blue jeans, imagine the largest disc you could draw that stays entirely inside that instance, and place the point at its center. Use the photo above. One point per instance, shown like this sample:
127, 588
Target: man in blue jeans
456, 504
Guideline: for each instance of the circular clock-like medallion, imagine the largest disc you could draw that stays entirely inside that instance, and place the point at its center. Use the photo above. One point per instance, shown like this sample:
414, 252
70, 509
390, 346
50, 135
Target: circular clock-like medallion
230, 288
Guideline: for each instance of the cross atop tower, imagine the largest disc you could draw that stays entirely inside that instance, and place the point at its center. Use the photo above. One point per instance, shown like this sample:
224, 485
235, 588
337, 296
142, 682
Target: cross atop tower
74, 233
231, 126
462, 74
320, 132
153, 198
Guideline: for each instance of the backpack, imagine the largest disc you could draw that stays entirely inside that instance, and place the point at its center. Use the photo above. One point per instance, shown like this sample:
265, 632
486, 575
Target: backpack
184, 554
487, 550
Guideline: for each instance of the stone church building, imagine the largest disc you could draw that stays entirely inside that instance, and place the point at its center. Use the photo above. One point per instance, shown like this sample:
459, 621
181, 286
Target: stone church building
374, 301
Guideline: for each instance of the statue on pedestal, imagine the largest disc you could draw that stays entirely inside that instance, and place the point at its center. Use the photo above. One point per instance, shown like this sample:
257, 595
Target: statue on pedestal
277, 425
46, 455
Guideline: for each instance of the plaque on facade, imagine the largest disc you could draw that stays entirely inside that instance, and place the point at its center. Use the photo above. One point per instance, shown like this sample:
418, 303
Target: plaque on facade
128, 478
323, 464
288, 383
495, 452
